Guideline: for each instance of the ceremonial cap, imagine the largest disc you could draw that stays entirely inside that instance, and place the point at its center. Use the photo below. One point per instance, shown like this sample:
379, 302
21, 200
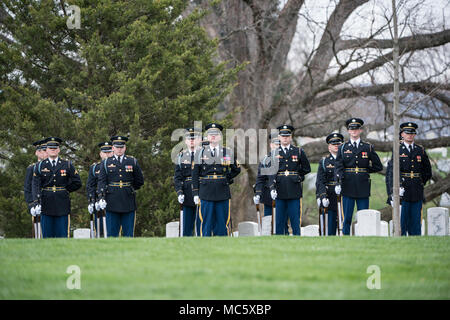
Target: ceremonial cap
335, 138
285, 130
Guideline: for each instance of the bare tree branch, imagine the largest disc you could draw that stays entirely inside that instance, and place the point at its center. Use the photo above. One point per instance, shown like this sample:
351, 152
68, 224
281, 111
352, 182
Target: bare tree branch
386, 146
414, 40
325, 51
426, 88
437, 40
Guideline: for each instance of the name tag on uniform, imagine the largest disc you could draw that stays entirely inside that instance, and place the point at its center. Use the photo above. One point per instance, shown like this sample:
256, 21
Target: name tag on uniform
63, 172
128, 168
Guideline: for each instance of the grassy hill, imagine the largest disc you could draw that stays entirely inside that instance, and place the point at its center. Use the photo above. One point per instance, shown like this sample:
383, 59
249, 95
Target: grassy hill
278, 267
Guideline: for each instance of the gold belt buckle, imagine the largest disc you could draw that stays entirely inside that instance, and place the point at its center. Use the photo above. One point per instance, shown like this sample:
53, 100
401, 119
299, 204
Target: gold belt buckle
215, 176
54, 188
356, 169
286, 173
120, 184
411, 175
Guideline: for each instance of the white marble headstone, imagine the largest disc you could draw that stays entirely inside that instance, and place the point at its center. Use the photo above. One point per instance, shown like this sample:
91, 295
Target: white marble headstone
368, 222
384, 229
266, 227
82, 233
437, 219
172, 229
356, 229
445, 200
248, 229
310, 231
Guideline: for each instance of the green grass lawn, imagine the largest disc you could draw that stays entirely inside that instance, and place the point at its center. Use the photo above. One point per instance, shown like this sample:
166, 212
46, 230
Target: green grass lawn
226, 268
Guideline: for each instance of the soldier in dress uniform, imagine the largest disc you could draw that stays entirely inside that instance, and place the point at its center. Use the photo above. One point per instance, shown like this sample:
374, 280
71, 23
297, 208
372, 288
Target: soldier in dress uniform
214, 170
415, 171
262, 190
326, 183
286, 184
183, 181
41, 154
91, 184
120, 177
53, 179
355, 161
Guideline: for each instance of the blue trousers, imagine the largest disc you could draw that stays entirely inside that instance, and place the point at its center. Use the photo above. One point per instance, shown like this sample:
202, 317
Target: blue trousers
214, 218
54, 227
114, 221
331, 223
411, 218
349, 205
287, 209
189, 217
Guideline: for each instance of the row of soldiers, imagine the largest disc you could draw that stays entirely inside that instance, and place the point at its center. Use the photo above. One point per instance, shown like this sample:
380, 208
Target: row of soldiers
205, 170
203, 175
110, 188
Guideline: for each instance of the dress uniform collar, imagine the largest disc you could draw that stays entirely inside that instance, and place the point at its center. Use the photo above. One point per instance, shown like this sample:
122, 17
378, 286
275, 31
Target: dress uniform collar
358, 142
288, 147
117, 158
407, 145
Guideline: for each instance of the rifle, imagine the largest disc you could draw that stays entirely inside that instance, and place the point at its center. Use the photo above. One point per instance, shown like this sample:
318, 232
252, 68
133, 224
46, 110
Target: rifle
340, 217
34, 229
325, 220
38, 219
102, 213
92, 219
258, 217
274, 212
321, 229
180, 230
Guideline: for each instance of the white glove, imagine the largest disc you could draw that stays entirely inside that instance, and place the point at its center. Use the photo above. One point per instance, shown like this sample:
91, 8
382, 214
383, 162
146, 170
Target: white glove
181, 198
37, 209
338, 189
196, 200
318, 202
102, 204
256, 199
91, 208
33, 212
97, 206
325, 202
401, 192
273, 194
392, 203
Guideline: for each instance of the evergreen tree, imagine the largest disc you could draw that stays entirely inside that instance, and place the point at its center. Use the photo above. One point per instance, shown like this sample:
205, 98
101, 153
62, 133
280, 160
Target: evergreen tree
138, 68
